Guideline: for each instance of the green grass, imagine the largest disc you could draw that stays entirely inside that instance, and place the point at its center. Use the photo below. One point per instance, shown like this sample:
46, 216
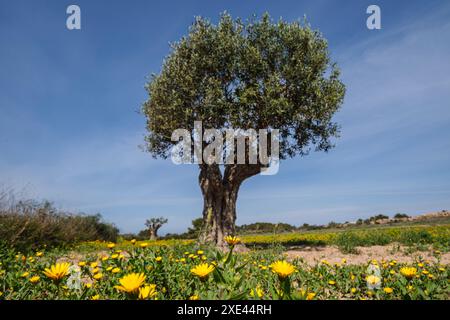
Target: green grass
347, 240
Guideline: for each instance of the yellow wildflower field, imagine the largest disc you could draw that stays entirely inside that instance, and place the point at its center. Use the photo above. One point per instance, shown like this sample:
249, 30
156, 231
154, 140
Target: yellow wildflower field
184, 270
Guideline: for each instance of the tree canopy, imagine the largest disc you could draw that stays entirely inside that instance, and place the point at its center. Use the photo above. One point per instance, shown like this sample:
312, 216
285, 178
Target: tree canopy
257, 74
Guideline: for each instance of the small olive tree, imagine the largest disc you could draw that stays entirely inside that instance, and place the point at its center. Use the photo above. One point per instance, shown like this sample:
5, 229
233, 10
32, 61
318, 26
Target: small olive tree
153, 225
253, 75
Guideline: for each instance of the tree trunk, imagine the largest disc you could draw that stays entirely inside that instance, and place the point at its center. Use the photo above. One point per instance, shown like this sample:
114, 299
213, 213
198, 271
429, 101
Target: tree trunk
153, 234
219, 199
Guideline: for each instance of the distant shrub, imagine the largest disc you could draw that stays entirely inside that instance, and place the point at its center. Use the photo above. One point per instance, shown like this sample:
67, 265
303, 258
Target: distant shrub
31, 224
413, 237
400, 216
347, 242
265, 227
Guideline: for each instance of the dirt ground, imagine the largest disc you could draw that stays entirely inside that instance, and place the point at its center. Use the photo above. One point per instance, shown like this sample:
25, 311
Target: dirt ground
312, 255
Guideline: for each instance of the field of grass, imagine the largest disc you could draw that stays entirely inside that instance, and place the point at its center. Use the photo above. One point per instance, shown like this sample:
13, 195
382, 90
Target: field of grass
181, 269
347, 240
419, 235
190, 272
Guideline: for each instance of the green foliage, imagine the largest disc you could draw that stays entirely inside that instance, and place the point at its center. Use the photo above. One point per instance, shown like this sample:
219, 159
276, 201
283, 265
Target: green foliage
347, 242
264, 227
415, 238
376, 218
235, 276
28, 224
400, 216
438, 236
259, 74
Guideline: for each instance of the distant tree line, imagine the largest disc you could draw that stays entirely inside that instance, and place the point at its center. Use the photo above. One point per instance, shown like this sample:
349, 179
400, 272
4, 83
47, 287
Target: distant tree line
265, 227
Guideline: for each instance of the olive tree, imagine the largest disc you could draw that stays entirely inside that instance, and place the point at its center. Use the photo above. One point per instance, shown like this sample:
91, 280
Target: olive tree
257, 74
153, 225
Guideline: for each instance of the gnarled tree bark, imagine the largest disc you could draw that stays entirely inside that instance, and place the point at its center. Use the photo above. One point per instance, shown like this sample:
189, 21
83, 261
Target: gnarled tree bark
220, 194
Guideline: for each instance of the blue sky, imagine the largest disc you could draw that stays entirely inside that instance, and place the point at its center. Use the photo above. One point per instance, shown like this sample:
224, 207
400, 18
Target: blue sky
69, 131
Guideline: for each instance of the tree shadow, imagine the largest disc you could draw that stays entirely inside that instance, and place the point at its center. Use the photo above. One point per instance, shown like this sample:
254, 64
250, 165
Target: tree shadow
292, 244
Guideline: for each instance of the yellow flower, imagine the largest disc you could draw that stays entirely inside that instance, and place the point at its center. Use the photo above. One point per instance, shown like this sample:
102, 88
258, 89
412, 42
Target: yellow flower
259, 292
420, 265
408, 272
39, 254
194, 297
57, 271
353, 290
373, 281
232, 240
204, 258
88, 285
94, 265
109, 268
95, 270
158, 259
133, 241
332, 282
81, 263
310, 296
25, 274
425, 272
200, 252
111, 245
388, 290
282, 268
202, 270
115, 270
114, 256
34, 279
104, 258
131, 282
325, 262
98, 276
96, 297
144, 245
147, 291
